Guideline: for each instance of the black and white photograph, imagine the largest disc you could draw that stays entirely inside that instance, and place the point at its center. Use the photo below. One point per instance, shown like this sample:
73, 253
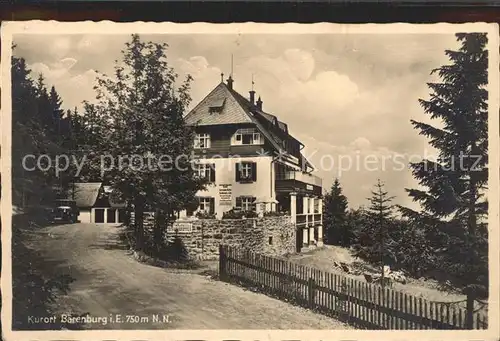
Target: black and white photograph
249, 177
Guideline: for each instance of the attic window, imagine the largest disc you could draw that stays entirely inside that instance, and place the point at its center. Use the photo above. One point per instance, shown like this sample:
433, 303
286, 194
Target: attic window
247, 137
216, 106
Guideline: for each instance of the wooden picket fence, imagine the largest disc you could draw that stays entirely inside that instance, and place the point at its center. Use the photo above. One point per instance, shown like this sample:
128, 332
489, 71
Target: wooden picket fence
358, 303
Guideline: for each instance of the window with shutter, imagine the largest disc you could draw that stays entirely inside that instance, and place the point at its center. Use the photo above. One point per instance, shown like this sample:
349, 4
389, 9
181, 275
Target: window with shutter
206, 171
246, 172
238, 172
212, 173
254, 171
212, 206
189, 212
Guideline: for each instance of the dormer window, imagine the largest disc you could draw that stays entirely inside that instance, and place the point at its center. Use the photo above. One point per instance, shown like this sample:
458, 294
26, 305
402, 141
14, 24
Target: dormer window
202, 141
216, 106
247, 137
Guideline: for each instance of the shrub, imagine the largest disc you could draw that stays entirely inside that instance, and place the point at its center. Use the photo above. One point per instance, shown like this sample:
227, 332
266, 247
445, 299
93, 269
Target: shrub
205, 215
274, 214
238, 214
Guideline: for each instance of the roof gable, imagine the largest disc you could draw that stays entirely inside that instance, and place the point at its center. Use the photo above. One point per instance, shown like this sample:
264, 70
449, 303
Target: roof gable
233, 108
248, 107
86, 194
229, 110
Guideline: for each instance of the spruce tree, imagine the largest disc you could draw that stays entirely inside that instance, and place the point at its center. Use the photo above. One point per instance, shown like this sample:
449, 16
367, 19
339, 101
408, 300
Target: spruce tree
374, 241
454, 204
33, 133
45, 113
25, 132
380, 214
335, 216
57, 111
380, 203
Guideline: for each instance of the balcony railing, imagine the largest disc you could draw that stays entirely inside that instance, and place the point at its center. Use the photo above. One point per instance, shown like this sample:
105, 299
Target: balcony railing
309, 219
302, 177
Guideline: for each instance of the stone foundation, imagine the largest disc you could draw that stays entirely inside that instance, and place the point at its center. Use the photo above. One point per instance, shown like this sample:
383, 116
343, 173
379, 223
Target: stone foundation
201, 237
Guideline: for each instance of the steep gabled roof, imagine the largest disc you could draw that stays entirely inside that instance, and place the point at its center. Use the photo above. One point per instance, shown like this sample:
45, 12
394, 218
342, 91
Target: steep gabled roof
86, 193
236, 109
231, 113
269, 117
251, 109
248, 107
283, 126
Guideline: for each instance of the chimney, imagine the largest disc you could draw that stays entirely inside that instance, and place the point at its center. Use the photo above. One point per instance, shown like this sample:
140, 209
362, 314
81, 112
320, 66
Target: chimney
252, 97
259, 103
230, 82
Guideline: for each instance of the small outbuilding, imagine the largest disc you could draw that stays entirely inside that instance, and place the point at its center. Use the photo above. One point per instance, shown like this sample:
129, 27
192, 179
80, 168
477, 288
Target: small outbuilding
97, 205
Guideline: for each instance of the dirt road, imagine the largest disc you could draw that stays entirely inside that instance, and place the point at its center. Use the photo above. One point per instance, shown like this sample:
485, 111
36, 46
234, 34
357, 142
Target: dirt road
125, 294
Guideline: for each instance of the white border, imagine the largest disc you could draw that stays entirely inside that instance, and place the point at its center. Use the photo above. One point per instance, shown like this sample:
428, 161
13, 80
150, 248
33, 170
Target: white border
107, 27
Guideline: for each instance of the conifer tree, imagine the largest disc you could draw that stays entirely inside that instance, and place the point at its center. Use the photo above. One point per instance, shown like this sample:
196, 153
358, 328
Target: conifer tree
454, 203
45, 112
374, 241
335, 216
57, 111
33, 133
380, 214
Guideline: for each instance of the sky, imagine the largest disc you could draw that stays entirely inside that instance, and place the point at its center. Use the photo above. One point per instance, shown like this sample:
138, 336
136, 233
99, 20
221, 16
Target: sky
348, 98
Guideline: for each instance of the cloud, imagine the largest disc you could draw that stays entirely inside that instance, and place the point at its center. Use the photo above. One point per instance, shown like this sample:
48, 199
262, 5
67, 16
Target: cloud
86, 79
73, 88
301, 63
60, 46
198, 67
54, 71
67, 63
358, 165
290, 77
361, 143
329, 90
92, 44
349, 96
205, 76
332, 107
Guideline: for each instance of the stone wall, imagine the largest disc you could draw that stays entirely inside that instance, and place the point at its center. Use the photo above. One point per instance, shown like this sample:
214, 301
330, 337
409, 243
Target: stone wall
267, 235
207, 234
283, 234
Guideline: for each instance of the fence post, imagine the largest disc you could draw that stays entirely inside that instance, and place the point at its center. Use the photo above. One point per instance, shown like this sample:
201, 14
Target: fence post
469, 319
222, 263
310, 284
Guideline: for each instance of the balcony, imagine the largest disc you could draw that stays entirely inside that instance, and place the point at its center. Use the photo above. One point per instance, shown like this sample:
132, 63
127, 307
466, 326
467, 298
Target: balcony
298, 181
309, 219
302, 177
